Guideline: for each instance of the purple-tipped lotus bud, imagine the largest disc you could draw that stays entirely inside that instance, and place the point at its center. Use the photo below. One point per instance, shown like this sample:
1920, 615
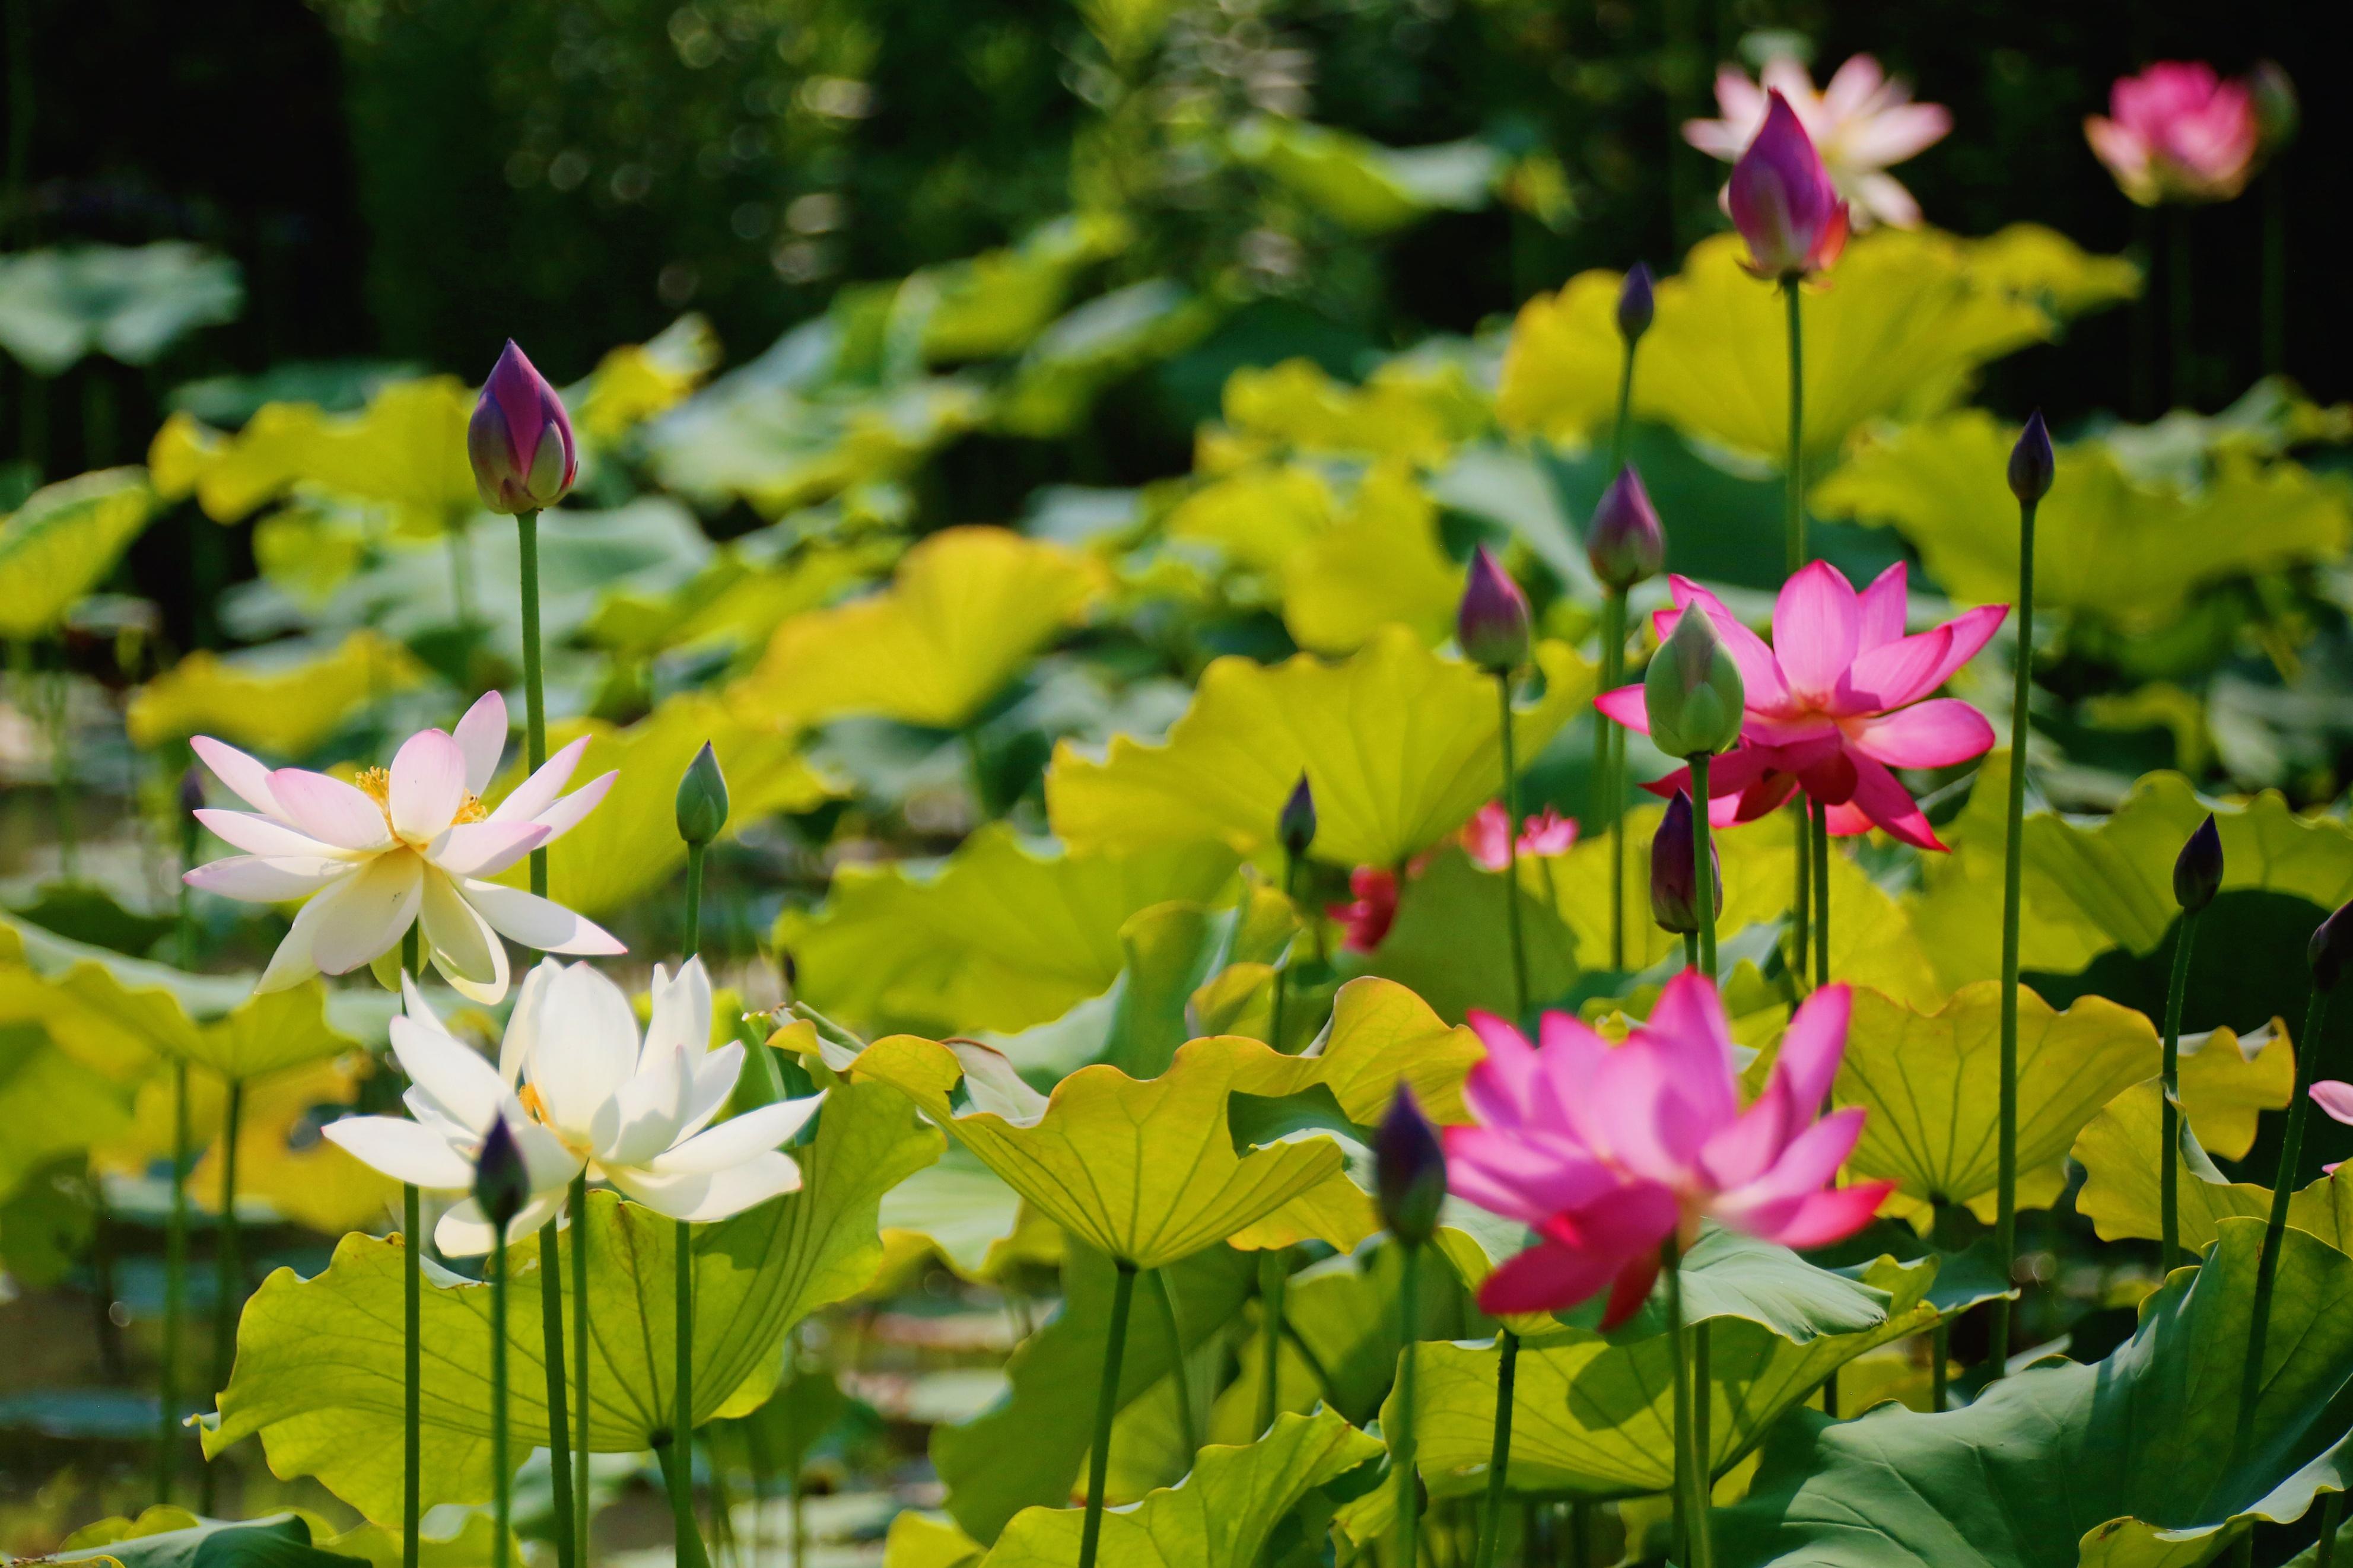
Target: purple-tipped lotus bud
1693, 690
1635, 304
1296, 827
1492, 626
501, 1184
192, 792
1782, 200
1675, 884
2332, 945
2278, 112
701, 798
520, 439
2032, 466
1624, 541
2198, 872
1408, 1170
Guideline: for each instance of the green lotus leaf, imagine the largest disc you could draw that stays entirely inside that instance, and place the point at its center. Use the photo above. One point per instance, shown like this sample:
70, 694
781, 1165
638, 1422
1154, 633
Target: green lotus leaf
1220, 1516
999, 938
1451, 945
1419, 410
965, 613
61, 543
636, 382
406, 449
1093, 344
2229, 1081
736, 602
1362, 186
2128, 1463
283, 701
919, 1540
127, 302
58, 1104
1382, 562
2105, 544
959, 1210
2121, 1193
167, 1537
1930, 1086
996, 303
1400, 744
1259, 517
318, 1371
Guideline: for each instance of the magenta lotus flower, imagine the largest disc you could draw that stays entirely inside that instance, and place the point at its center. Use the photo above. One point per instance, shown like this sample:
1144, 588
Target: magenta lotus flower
1543, 835
1861, 122
1607, 1151
520, 439
1835, 703
2178, 132
1782, 200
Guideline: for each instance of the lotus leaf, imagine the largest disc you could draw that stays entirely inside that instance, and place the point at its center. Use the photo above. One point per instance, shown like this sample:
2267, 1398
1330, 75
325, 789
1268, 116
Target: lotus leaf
61, 543
267, 703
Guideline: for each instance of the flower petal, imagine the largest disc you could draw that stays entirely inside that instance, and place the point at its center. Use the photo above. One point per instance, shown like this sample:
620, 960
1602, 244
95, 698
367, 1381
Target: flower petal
482, 735
700, 1199
429, 786
1768, 689
1931, 734
523, 1019
1895, 673
642, 1116
1970, 632
462, 943
264, 880
535, 794
1824, 1218
247, 777
738, 1139
1626, 706
564, 814
402, 1150
682, 1011
329, 810
365, 914
2334, 1097
485, 849
1812, 1047
1547, 1278
537, 922
586, 1047
263, 835
1817, 631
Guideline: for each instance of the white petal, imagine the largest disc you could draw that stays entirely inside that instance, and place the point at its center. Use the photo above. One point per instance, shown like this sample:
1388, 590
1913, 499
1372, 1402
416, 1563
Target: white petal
413, 1002
586, 1047
329, 810
523, 1021
453, 1076
485, 849
293, 963
249, 778
466, 1232
643, 1116
429, 786
262, 836
481, 734
735, 1140
463, 944
564, 814
537, 922
545, 1159
264, 880
681, 1010
535, 794
701, 1199
402, 1150
366, 913
714, 1080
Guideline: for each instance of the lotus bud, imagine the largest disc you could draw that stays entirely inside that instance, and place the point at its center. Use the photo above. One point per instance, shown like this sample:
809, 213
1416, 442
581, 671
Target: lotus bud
1674, 888
2198, 873
1693, 690
1782, 201
1624, 541
1297, 826
701, 798
1408, 1170
520, 439
1635, 304
2030, 463
1492, 626
192, 792
2278, 112
2332, 945
501, 1184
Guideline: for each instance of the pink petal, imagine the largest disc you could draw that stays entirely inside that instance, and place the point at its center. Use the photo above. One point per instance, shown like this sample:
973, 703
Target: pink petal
1833, 1215
485, 849
1811, 1046
1760, 799
1744, 1151
1547, 1278
1896, 673
263, 879
262, 836
1882, 606
481, 734
329, 810
1766, 691
1519, 1180
1817, 626
1631, 1289
565, 814
1499, 1088
1808, 1162
538, 792
537, 922
1931, 734
1887, 803
1626, 706
1970, 632
428, 784
249, 779
2334, 1097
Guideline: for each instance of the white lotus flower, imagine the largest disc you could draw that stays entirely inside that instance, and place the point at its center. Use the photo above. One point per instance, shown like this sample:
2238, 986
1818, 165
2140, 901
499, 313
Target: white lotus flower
1861, 122
454, 1093
406, 844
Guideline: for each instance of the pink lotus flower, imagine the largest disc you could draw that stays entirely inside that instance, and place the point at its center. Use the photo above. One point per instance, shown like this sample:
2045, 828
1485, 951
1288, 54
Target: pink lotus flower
1834, 703
1781, 200
1605, 1151
1365, 918
406, 844
1543, 835
1861, 123
2178, 132
2334, 1097
520, 439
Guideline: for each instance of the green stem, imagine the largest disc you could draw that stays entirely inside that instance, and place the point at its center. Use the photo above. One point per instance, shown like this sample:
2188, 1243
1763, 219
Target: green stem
1499, 1453
559, 1429
1820, 816
1512, 852
2177, 284
2005, 1225
1691, 949
1794, 464
2251, 1382
1176, 1330
2275, 292
2169, 1136
1618, 431
1273, 1284
1282, 964
578, 1203
502, 1475
176, 1274
694, 898
1402, 1445
1940, 1353
678, 1474
1580, 1534
228, 1271
2332, 1507
1704, 864
1691, 1485
1608, 792
535, 685
412, 1307
1123, 1297
688, 1542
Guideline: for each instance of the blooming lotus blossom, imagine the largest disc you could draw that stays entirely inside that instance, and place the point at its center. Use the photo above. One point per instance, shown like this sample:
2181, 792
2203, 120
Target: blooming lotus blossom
2334, 1097
1781, 200
1543, 835
1861, 123
1606, 1152
581, 1090
407, 845
1835, 703
1365, 918
2178, 132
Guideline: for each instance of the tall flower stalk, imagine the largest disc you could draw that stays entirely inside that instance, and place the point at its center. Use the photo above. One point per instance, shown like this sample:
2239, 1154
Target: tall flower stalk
1625, 545
702, 814
1123, 1298
1691, 1457
1409, 1188
1492, 628
176, 1235
1296, 829
501, 1187
2197, 877
2031, 468
412, 1337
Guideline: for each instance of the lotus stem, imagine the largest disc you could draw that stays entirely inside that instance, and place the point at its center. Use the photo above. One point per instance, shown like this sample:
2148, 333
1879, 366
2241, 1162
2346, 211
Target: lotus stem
1691, 1483
576, 1201
1273, 1283
2169, 1136
412, 1311
1402, 1445
1123, 1297
2251, 1382
559, 1454
2177, 284
1793, 524
175, 1275
1704, 860
1499, 1454
682, 1474
1512, 851
1819, 815
1282, 965
2013, 844
1609, 792
2332, 1507
501, 1477
228, 1271
1169, 1320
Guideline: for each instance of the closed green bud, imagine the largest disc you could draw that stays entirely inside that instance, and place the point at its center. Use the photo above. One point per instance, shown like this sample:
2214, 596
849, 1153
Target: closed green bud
701, 798
1693, 692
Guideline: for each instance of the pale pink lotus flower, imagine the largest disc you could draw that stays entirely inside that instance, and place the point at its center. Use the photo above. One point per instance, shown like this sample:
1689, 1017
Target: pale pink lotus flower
407, 845
2178, 132
2334, 1097
1861, 123
1606, 1152
1542, 835
1834, 704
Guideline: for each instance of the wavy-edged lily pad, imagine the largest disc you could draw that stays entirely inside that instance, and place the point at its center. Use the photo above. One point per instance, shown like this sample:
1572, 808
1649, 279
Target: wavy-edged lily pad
1381, 561
130, 302
407, 448
2122, 1186
62, 542
280, 701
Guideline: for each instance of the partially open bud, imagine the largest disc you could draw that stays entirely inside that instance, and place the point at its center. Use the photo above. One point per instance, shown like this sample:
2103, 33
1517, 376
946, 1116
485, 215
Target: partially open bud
1675, 884
2198, 872
1624, 541
520, 439
2332, 945
1492, 626
2278, 112
1296, 827
1693, 690
1782, 201
701, 798
1408, 1170
501, 1184
2030, 463
1636, 303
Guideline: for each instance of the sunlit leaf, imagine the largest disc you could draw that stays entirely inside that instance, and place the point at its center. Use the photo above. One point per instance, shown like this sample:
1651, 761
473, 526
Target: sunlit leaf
167, 1537
318, 1371
1364, 186
280, 701
963, 1213
1450, 943
918, 1541
2121, 1194
62, 543
638, 381
1257, 516
406, 449
736, 603
1382, 563
56, 1102
998, 302
2229, 1079
1418, 411
128, 302
1094, 344
1400, 744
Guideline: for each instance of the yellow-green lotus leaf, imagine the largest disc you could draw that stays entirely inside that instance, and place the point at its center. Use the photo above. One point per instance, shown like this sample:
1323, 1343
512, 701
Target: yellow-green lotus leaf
280, 1159
2105, 543
732, 603
61, 543
1258, 516
1417, 412
960, 1212
637, 381
1930, 1084
1382, 563
1400, 744
2122, 1191
55, 1101
1220, 1516
1001, 937
1563, 359
965, 613
406, 448
996, 303
1142, 1169
920, 1541
267, 703
2229, 1079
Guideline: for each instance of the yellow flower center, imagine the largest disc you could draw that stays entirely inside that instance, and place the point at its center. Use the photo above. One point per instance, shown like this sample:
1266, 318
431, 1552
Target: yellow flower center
376, 784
